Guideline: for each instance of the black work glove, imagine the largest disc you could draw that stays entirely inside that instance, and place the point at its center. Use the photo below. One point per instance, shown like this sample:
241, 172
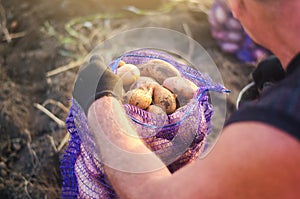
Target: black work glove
268, 72
94, 81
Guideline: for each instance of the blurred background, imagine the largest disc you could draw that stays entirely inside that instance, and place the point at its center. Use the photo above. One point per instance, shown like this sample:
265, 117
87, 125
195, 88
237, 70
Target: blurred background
43, 43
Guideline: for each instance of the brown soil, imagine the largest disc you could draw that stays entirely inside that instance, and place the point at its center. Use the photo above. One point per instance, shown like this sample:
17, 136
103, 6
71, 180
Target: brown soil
29, 159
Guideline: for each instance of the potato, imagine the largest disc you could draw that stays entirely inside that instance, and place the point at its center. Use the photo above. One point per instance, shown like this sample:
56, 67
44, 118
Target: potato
179, 114
141, 98
156, 110
142, 82
158, 70
163, 98
129, 73
121, 63
181, 87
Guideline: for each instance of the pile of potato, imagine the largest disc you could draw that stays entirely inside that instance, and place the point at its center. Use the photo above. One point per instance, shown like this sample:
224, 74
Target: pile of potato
155, 86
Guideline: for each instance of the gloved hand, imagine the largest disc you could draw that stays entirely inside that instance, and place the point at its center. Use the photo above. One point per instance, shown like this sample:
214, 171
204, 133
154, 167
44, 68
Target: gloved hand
268, 72
94, 81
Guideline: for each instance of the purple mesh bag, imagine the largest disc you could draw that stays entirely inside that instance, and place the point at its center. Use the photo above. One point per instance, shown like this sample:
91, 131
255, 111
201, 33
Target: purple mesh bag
188, 127
231, 36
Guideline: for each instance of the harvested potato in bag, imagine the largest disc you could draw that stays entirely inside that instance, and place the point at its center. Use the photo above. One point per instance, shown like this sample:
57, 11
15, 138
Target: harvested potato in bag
158, 70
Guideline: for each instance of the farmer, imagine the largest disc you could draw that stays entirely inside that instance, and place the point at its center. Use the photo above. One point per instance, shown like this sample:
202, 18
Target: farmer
258, 153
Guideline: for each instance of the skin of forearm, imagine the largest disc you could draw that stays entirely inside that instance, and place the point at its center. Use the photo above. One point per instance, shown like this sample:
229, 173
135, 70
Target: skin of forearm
109, 124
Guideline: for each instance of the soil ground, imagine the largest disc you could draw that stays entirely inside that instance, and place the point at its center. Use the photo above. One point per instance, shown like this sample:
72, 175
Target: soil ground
30, 151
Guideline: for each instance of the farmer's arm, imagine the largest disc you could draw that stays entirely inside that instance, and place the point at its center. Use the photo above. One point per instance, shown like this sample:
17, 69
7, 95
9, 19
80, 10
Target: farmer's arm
108, 114
251, 160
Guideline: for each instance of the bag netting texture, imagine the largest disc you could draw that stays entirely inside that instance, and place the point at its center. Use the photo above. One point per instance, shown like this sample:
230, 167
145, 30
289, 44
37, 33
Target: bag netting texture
231, 36
82, 170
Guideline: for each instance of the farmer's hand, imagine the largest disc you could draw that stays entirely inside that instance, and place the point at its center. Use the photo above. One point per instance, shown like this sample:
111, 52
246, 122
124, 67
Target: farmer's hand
94, 81
268, 70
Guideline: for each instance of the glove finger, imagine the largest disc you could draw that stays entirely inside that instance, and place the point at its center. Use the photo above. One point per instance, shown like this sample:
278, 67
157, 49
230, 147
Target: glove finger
268, 70
99, 62
96, 58
86, 84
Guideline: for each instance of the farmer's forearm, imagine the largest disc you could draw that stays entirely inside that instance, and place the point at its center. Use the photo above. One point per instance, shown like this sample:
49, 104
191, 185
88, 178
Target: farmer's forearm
116, 137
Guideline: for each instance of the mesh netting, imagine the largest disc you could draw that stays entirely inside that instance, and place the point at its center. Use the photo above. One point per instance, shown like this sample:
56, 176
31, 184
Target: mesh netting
231, 36
188, 127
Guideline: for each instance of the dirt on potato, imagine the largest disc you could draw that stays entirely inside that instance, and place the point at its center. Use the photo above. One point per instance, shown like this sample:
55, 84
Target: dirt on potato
39, 36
